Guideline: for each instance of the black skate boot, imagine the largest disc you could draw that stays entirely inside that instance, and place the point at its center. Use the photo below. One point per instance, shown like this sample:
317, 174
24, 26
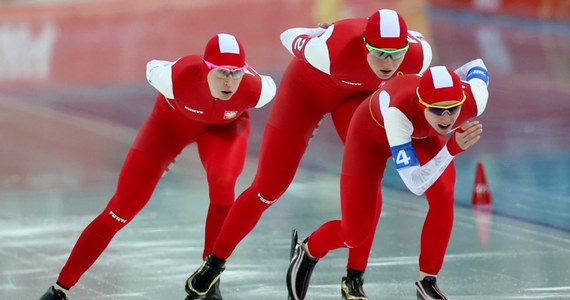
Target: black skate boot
300, 269
214, 293
205, 278
351, 286
427, 289
53, 294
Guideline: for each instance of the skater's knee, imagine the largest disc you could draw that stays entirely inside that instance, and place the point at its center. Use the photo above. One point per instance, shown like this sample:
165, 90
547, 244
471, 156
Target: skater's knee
271, 186
264, 194
222, 184
265, 200
355, 239
118, 214
112, 220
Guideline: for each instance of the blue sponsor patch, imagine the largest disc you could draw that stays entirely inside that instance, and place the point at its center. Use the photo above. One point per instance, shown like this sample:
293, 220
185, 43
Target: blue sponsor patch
478, 72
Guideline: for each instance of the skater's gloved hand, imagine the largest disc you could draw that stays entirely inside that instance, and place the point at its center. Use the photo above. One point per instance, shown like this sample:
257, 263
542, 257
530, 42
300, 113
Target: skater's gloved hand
464, 137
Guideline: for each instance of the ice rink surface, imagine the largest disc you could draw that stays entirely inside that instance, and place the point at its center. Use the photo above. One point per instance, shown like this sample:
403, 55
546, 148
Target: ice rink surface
73, 94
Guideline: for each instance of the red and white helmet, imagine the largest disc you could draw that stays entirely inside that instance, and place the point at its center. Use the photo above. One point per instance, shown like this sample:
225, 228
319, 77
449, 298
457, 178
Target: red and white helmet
225, 50
440, 84
386, 29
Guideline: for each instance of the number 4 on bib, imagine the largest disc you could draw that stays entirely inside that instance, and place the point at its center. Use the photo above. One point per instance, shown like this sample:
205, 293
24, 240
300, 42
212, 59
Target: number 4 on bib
404, 156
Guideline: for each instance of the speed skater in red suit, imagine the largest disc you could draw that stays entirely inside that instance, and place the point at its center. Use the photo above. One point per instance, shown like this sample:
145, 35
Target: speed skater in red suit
203, 99
332, 71
406, 119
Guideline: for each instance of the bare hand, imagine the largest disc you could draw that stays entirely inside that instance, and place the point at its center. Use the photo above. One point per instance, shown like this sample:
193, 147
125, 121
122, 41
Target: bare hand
468, 134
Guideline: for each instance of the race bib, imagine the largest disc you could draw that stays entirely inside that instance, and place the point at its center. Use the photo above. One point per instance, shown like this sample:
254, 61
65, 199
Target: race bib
404, 156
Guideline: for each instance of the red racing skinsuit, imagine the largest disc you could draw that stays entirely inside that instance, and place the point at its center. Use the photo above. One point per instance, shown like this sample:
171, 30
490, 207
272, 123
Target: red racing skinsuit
185, 112
391, 123
329, 74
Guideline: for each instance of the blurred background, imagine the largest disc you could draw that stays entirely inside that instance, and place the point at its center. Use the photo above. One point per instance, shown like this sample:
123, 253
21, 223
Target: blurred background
73, 94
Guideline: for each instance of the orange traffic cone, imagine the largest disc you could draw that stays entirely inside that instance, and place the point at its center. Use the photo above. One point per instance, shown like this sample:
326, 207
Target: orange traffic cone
481, 192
